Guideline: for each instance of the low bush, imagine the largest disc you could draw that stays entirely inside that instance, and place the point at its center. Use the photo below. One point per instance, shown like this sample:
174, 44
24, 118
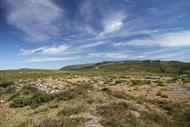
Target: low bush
119, 81
40, 98
159, 83
35, 100
2, 91
29, 89
21, 101
138, 82
11, 89
73, 93
6, 84
8, 87
71, 111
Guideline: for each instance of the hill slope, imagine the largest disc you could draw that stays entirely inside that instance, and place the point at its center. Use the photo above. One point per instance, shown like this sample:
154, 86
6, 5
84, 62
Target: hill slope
172, 67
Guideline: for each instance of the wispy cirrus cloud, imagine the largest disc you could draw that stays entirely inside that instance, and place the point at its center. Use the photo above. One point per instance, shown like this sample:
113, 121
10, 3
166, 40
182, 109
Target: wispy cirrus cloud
38, 19
45, 50
109, 55
51, 59
171, 39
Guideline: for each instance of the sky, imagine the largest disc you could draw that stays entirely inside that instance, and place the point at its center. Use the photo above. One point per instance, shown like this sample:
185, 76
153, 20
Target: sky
50, 34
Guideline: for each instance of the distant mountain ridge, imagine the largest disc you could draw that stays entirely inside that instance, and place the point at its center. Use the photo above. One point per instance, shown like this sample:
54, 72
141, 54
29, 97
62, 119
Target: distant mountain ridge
137, 65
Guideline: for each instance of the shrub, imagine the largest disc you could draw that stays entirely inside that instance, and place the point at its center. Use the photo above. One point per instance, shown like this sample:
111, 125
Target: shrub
159, 83
73, 93
2, 91
137, 82
119, 81
29, 89
15, 95
21, 101
6, 84
11, 89
39, 98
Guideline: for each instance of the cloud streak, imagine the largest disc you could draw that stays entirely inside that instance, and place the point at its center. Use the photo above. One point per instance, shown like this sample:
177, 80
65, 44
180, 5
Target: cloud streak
172, 39
38, 19
45, 50
50, 59
109, 55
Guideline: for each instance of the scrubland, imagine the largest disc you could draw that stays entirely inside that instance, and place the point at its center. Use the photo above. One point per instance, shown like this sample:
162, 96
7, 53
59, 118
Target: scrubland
110, 94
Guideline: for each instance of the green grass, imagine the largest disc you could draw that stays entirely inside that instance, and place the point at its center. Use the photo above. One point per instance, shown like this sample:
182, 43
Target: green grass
17, 89
118, 94
154, 119
157, 67
119, 115
66, 122
51, 122
71, 111
176, 110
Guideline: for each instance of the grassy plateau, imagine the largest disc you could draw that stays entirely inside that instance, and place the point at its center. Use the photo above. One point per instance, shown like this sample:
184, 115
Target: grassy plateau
108, 94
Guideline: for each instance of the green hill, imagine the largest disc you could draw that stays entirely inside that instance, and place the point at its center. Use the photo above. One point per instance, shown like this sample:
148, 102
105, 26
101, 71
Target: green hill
166, 67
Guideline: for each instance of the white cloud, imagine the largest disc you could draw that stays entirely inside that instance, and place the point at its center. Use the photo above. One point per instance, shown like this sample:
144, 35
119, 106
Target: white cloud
152, 11
55, 49
45, 50
170, 20
180, 55
173, 39
109, 55
51, 59
138, 57
36, 18
91, 45
113, 23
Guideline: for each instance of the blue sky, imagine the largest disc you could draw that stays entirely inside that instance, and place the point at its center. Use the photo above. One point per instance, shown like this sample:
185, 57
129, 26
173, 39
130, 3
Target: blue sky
54, 33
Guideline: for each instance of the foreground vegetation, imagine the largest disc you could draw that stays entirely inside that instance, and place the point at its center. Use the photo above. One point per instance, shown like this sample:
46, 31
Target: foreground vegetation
109, 94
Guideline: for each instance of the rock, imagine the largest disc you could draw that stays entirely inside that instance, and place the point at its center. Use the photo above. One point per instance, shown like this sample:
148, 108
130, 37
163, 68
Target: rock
135, 113
93, 123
